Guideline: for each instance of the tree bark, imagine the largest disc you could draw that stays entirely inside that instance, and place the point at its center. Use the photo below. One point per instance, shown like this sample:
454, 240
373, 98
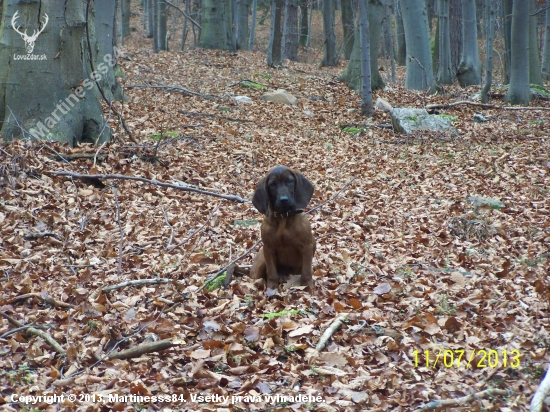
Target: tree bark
44, 98
291, 30
388, 22
367, 108
244, 9
274, 49
216, 25
162, 41
535, 75
469, 69
401, 55
507, 33
126, 17
445, 73
253, 24
331, 56
150, 24
419, 57
235, 7
348, 23
518, 89
304, 25
489, 41
105, 29
546, 48
353, 73
455, 28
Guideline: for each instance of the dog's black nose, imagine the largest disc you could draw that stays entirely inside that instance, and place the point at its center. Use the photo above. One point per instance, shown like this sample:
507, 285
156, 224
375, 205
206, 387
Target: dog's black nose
284, 200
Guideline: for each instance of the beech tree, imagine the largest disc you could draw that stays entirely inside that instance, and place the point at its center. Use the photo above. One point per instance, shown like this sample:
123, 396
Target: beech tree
348, 23
445, 73
518, 89
331, 56
274, 49
489, 40
366, 90
216, 30
419, 57
352, 75
546, 48
401, 48
469, 69
535, 75
54, 96
290, 30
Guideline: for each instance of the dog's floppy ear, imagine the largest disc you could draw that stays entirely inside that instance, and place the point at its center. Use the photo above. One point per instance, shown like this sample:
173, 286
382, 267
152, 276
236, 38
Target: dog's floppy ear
302, 191
261, 199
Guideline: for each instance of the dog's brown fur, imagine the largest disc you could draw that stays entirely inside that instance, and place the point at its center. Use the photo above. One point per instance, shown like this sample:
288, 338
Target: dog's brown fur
286, 233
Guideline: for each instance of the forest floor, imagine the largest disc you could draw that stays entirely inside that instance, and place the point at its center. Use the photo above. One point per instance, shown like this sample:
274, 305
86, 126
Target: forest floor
441, 297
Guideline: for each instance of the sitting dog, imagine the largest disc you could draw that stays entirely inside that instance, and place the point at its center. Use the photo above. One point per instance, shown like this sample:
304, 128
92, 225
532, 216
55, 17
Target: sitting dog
286, 233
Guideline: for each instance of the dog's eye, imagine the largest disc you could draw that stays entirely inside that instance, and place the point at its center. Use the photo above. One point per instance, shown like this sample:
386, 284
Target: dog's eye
289, 181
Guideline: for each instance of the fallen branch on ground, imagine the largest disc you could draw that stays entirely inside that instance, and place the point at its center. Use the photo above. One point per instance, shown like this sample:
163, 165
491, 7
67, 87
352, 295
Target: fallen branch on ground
333, 197
36, 332
137, 351
484, 105
540, 394
73, 156
331, 330
157, 281
46, 299
150, 181
175, 88
461, 401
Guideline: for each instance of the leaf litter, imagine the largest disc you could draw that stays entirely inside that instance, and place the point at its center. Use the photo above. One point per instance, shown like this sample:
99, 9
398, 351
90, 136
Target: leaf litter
413, 265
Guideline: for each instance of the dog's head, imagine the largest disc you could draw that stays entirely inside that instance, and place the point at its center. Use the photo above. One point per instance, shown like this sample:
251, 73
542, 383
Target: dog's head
282, 190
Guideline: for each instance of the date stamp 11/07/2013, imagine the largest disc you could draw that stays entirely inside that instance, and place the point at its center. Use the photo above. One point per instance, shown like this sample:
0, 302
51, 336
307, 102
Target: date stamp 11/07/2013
477, 359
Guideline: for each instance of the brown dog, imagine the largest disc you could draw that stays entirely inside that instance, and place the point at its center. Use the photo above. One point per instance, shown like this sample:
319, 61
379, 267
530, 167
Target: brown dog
288, 242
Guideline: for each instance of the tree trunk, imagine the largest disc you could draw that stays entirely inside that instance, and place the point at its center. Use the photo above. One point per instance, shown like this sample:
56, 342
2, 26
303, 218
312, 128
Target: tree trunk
352, 74
126, 18
518, 89
507, 33
455, 28
274, 49
431, 12
469, 69
367, 108
253, 24
150, 24
490, 37
244, 9
445, 73
156, 45
401, 56
43, 98
390, 34
419, 57
546, 48
535, 75
236, 7
348, 22
216, 25
304, 26
105, 29
291, 30
331, 56
163, 41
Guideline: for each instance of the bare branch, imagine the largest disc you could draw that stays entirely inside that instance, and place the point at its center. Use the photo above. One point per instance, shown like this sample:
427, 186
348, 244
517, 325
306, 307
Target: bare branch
461, 401
150, 181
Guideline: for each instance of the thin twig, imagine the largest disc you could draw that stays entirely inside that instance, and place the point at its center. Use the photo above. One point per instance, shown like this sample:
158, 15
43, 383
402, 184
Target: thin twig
177, 88
150, 181
171, 229
331, 330
156, 281
198, 230
184, 14
462, 400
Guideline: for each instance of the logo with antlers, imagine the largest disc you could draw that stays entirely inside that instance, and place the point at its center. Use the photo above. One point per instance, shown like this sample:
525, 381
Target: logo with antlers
29, 40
